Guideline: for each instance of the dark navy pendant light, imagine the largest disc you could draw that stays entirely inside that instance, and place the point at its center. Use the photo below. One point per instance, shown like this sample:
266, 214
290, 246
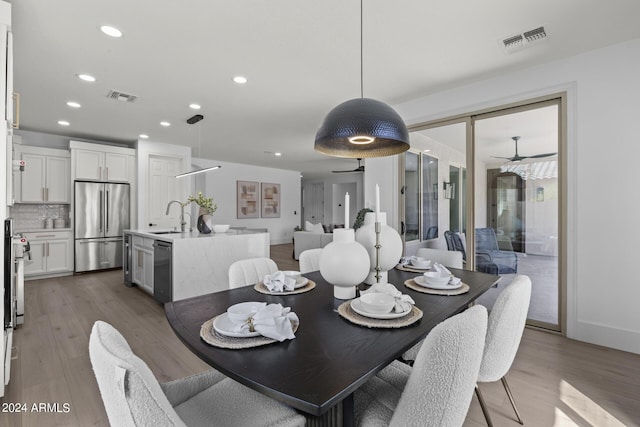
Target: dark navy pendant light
362, 127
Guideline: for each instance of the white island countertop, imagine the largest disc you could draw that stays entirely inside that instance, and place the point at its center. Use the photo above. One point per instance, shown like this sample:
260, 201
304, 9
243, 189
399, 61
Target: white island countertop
200, 262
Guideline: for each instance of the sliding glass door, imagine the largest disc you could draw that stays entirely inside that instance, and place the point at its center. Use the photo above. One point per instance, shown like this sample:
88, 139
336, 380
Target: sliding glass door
499, 188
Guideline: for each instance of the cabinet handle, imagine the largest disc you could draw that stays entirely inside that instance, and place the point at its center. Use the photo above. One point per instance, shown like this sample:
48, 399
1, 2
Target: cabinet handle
107, 172
44, 250
140, 259
99, 172
16, 121
47, 248
44, 195
47, 193
45, 235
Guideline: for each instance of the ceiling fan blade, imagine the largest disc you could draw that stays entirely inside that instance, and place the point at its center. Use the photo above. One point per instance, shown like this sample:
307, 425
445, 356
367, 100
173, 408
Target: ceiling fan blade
360, 169
507, 158
537, 156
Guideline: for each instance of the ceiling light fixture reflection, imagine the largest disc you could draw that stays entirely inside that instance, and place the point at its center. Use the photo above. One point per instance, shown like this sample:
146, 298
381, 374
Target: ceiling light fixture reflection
73, 104
63, 123
143, 136
240, 80
277, 154
111, 31
165, 124
86, 77
194, 106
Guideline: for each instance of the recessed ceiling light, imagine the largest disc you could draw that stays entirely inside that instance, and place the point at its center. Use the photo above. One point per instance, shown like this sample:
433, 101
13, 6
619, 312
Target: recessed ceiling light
194, 106
165, 124
73, 104
143, 136
86, 77
277, 154
425, 151
240, 80
111, 31
63, 123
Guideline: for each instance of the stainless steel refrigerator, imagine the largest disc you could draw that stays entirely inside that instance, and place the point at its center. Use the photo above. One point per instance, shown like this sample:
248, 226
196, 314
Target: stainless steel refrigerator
101, 214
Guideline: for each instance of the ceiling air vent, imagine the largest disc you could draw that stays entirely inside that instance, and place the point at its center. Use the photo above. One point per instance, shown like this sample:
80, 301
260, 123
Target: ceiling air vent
121, 96
521, 40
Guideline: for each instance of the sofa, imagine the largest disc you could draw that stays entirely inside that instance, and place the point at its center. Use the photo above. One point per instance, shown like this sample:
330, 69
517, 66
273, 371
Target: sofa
314, 236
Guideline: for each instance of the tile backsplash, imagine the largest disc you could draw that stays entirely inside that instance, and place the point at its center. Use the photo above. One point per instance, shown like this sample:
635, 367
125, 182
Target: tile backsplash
32, 216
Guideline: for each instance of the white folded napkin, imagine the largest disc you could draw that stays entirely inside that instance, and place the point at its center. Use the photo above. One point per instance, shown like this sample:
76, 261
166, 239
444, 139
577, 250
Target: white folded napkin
403, 301
453, 281
279, 282
272, 321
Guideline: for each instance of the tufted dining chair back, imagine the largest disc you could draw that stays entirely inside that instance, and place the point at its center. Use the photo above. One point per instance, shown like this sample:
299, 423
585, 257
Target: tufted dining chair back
451, 259
506, 325
250, 271
310, 260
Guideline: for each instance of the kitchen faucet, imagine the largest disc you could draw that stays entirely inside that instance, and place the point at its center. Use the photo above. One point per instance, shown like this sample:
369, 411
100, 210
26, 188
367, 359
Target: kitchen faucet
182, 222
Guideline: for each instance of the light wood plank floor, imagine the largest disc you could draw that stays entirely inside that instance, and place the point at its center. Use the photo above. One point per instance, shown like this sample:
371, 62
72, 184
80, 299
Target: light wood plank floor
555, 381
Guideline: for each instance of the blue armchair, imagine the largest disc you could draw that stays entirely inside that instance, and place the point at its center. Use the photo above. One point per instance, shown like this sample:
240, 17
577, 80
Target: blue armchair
489, 258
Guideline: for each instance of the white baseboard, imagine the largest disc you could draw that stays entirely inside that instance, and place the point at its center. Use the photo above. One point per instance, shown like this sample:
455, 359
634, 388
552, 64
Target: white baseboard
607, 336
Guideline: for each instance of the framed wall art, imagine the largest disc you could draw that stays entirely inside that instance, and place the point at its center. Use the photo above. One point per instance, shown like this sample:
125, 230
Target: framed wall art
270, 200
247, 199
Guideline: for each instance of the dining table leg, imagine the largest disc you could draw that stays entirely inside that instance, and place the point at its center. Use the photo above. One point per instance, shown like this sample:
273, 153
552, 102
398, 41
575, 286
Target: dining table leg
348, 411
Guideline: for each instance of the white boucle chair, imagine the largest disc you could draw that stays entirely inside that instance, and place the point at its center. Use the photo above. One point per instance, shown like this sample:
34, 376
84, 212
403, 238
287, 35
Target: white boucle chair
506, 325
437, 391
310, 260
250, 271
451, 259
133, 397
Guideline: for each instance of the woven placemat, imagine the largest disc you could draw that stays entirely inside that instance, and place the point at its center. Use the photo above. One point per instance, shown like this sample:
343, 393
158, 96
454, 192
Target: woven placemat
411, 284
260, 287
411, 269
347, 312
210, 336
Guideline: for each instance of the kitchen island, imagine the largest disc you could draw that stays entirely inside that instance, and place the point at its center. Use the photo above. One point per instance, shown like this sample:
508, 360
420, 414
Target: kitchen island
173, 266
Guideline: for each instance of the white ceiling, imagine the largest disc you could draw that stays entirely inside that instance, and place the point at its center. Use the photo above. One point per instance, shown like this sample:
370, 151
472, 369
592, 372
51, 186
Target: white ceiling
302, 57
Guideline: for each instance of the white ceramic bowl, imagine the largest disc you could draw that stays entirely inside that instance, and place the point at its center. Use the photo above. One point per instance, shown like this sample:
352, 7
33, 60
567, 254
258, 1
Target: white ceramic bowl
221, 228
377, 302
242, 311
293, 274
420, 262
436, 278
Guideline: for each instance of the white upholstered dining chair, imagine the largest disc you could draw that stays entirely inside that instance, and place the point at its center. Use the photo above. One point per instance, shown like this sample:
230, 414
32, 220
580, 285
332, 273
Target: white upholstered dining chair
249, 271
133, 397
504, 332
437, 391
451, 259
310, 260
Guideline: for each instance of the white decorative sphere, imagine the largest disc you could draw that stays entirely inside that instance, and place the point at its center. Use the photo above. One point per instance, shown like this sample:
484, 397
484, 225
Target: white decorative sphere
390, 245
344, 263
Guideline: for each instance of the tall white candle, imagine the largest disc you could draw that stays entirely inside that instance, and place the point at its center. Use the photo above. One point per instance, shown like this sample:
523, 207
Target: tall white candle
346, 210
377, 201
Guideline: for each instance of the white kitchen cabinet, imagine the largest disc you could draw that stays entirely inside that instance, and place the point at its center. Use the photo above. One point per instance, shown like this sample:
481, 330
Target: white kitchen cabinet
46, 177
98, 162
142, 263
51, 253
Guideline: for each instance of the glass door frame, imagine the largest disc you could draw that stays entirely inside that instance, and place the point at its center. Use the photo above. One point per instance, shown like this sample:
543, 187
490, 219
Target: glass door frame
469, 118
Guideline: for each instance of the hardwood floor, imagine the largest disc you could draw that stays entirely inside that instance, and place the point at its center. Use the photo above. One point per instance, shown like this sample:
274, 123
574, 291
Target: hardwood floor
555, 381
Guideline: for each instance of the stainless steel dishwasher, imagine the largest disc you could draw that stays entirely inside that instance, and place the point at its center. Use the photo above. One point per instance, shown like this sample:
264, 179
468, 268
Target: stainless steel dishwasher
162, 282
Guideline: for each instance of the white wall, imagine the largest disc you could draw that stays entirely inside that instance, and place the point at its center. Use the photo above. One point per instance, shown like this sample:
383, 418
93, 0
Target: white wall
603, 109
221, 185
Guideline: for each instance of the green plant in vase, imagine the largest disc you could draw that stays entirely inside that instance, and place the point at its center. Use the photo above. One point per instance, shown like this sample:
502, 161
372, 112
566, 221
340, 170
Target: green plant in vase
360, 218
207, 208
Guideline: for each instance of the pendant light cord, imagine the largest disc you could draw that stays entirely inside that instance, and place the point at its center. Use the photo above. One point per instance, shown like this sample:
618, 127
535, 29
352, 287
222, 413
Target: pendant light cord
361, 56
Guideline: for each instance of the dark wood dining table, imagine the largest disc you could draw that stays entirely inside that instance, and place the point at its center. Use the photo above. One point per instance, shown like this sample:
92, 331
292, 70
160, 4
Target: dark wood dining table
330, 357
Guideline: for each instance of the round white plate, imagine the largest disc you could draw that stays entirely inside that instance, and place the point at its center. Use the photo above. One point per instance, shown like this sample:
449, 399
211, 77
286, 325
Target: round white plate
223, 325
420, 280
419, 268
356, 305
300, 282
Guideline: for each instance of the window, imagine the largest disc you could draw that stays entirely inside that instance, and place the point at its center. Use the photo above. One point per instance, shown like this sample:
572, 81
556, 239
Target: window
420, 196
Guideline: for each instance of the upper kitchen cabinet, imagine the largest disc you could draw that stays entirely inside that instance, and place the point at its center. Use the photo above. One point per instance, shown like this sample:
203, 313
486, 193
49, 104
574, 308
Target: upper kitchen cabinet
46, 177
96, 162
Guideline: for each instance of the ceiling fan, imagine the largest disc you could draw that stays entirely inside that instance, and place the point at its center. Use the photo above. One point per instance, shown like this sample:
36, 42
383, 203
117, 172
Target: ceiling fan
360, 168
518, 157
